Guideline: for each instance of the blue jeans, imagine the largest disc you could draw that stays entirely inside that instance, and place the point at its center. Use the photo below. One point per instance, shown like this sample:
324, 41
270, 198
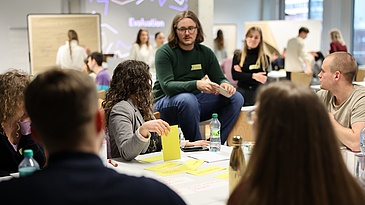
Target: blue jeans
187, 110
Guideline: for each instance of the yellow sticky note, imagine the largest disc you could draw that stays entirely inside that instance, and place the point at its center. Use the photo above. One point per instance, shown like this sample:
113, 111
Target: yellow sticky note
152, 159
192, 164
171, 144
223, 176
188, 166
172, 171
205, 171
163, 166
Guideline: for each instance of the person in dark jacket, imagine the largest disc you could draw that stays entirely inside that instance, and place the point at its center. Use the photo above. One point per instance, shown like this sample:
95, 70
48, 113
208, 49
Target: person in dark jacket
63, 106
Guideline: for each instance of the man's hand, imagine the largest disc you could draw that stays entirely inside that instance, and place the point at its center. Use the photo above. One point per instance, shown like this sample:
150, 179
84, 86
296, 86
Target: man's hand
229, 88
259, 77
206, 86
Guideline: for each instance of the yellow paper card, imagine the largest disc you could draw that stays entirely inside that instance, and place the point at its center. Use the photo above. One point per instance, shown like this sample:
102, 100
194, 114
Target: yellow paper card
205, 171
163, 166
152, 159
223, 176
171, 144
192, 164
188, 166
172, 171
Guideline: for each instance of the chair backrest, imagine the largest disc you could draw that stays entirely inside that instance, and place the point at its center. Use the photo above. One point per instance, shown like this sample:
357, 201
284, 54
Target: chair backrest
157, 115
360, 75
301, 78
101, 94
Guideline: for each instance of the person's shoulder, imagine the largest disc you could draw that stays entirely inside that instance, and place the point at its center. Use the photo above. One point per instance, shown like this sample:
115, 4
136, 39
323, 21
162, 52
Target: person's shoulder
359, 89
103, 73
322, 94
122, 107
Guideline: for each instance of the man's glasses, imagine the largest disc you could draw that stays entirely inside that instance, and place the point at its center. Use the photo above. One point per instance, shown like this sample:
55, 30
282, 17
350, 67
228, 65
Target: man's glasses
183, 30
251, 116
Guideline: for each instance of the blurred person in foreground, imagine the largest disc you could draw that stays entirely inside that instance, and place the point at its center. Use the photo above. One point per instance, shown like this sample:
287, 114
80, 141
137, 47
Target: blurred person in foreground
298, 160
63, 106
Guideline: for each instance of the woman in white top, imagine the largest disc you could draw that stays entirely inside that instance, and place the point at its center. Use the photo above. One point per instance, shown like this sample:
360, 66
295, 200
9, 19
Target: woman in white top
219, 49
142, 50
160, 40
71, 55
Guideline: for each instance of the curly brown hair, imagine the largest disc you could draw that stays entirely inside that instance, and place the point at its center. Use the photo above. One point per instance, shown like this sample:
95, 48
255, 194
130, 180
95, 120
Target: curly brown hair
130, 77
12, 86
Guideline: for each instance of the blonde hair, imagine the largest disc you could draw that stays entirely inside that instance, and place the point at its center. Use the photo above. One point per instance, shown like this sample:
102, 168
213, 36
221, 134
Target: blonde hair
336, 35
261, 56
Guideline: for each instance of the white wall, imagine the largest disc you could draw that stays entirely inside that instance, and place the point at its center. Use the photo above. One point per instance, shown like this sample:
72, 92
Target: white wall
237, 12
337, 14
13, 21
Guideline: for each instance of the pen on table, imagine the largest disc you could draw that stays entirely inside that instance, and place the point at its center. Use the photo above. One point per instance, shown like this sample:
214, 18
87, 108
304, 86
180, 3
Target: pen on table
114, 163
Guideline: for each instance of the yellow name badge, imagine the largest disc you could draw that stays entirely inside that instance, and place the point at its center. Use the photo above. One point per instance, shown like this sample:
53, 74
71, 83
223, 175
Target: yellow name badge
196, 67
253, 67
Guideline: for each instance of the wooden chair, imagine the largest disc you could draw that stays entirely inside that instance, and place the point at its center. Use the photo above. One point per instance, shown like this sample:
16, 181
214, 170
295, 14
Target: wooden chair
360, 75
101, 94
301, 78
241, 127
157, 115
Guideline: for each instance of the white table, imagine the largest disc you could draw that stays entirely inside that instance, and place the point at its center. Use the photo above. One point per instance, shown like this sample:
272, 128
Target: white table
276, 74
192, 189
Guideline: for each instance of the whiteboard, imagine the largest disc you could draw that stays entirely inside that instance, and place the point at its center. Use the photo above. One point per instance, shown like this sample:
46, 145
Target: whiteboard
47, 32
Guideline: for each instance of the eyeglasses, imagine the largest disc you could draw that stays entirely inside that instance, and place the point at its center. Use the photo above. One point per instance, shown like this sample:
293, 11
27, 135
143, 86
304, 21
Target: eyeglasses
251, 116
183, 30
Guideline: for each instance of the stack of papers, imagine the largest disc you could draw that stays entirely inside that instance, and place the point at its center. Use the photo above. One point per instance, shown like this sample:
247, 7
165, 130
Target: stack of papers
209, 156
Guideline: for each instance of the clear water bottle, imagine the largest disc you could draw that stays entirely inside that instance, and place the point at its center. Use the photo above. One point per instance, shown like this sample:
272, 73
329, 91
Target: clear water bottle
28, 165
215, 134
362, 140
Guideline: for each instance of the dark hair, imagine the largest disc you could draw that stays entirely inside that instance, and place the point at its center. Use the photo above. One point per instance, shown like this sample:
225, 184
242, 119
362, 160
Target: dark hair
174, 39
219, 40
296, 159
303, 29
130, 77
98, 57
60, 103
157, 34
72, 35
138, 40
87, 66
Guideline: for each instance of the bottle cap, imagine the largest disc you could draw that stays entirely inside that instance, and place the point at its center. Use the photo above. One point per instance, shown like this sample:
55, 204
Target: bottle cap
28, 153
237, 140
214, 115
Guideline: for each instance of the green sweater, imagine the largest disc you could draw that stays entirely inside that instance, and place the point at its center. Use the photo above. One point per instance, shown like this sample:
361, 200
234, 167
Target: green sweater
177, 70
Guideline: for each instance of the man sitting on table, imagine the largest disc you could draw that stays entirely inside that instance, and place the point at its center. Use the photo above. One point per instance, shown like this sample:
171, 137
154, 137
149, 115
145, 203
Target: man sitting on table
62, 105
345, 101
181, 96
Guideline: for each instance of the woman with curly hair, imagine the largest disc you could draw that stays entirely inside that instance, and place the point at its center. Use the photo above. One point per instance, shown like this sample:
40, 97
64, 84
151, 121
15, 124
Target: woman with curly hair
15, 135
130, 123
